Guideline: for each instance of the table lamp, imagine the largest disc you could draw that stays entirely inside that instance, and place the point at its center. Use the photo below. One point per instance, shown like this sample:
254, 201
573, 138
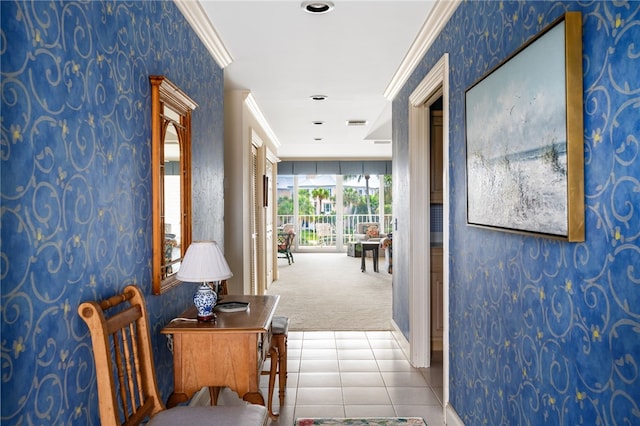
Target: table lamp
204, 263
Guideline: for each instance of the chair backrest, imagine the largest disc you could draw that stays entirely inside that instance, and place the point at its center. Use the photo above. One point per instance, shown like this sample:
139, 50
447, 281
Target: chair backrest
288, 227
363, 227
127, 387
285, 240
324, 229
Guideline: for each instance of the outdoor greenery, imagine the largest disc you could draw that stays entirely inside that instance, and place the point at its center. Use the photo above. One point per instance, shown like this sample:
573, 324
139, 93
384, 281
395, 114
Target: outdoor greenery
305, 204
354, 202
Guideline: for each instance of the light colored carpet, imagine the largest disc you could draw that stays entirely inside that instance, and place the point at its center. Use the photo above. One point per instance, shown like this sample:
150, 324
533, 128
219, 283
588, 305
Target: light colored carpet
327, 291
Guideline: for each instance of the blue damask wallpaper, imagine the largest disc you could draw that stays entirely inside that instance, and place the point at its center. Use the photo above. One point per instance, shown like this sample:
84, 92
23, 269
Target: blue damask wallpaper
543, 331
76, 190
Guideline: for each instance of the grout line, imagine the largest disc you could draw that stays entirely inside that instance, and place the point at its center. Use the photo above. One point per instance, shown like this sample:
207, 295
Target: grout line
369, 337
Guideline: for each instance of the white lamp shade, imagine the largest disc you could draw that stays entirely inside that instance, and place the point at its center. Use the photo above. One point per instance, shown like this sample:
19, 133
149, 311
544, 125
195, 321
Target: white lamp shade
203, 262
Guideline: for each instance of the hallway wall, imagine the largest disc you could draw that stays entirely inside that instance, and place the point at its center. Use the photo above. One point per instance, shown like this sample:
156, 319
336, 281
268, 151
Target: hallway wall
76, 186
541, 331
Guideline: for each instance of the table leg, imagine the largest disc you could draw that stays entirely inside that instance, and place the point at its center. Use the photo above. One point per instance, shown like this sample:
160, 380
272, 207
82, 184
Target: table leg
363, 253
375, 259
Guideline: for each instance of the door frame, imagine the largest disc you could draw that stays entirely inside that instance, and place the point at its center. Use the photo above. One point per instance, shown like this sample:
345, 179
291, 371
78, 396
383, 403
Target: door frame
436, 82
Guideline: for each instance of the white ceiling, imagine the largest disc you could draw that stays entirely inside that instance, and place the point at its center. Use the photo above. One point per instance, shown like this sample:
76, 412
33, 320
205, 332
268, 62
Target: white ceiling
283, 55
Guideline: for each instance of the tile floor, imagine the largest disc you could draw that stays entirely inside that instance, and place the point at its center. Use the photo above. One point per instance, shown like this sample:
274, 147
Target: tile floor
355, 374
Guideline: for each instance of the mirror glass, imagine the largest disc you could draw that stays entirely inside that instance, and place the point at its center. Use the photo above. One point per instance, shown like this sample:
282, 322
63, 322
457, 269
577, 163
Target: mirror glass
172, 217
171, 169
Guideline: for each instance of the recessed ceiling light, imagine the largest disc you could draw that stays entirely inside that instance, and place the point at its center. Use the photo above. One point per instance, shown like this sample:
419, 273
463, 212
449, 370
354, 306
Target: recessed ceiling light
356, 122
318, 97
318, 123
317, 7
317, 139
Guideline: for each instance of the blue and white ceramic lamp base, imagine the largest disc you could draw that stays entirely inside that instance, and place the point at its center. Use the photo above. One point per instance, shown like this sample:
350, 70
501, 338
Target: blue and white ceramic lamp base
205, 299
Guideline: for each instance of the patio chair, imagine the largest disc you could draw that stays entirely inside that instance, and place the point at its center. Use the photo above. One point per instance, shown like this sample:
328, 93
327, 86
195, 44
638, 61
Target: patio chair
126, 378
285, 241
368, 231
324, 233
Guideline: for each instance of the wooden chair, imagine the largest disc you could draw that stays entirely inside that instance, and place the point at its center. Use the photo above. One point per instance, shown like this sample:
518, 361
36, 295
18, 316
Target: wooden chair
278, 360
127, 386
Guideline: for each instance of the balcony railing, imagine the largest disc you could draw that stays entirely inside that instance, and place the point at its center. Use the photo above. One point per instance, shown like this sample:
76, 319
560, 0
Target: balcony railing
324, 231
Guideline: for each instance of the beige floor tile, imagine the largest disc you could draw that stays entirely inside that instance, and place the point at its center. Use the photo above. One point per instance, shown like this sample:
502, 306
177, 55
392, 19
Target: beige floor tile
373, 335
412, 396
358, 365
308, 380
394, 365
353, 344
351, 335
389, 354
319, 411
404, 378
355, 354
293, 365
293, 353
318, 335
294, 343
319, 396
352, 374
319, 354
318, 365
369, 411
359, 379
433, 375
318, 344
366, 395
439, 393
292, 379
384, 344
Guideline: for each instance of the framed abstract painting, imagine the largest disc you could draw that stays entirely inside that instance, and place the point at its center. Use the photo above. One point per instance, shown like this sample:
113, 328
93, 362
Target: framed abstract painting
524, 138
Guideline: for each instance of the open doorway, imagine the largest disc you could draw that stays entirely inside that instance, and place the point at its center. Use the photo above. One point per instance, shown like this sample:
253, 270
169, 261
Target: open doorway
431, 95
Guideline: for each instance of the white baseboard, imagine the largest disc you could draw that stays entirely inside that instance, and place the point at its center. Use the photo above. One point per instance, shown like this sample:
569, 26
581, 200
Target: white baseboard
451, 418
402, 341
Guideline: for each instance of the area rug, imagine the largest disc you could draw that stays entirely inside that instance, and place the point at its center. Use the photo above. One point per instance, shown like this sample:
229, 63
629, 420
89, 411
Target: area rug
363, 421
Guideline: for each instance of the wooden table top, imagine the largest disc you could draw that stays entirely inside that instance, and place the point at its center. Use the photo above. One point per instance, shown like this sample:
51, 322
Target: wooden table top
255, 319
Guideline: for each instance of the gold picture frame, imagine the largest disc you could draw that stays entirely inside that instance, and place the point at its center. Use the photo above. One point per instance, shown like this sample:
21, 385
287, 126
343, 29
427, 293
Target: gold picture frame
525, 141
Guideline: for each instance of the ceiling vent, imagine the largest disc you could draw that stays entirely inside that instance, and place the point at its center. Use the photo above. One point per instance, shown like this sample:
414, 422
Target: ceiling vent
357, 123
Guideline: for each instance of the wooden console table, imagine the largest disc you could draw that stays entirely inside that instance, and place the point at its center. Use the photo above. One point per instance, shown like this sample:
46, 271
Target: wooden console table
229, 352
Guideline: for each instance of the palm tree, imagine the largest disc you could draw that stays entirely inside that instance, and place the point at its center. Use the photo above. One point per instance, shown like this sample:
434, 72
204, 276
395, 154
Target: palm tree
320, 194
350, 198
366, 190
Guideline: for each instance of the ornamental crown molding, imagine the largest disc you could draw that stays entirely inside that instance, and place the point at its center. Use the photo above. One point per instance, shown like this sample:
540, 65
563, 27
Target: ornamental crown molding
251, 103
199, 21
437, 19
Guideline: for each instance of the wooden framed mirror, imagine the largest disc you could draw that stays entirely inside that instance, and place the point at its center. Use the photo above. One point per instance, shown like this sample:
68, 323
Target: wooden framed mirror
171, 179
